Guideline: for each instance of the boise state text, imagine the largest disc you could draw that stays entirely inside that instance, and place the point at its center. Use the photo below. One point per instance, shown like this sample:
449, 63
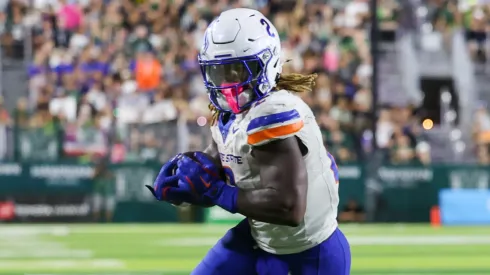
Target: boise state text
229, 158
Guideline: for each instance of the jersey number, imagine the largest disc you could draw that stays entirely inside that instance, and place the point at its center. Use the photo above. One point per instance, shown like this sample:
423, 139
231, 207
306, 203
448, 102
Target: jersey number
267, 27
334, 168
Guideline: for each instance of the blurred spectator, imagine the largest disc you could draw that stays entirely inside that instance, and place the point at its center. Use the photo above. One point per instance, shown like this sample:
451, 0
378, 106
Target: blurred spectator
162, 109
398, 134
447, 17
5, 121
12, 31
21, 113
384, 129
476, 22
401, 150
104, 200
481, 131
422, 151
148, 71
387, 14
483, 155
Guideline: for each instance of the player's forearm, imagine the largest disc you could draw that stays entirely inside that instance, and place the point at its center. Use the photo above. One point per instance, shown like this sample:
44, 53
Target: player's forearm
268, 205
212, 150
282, 199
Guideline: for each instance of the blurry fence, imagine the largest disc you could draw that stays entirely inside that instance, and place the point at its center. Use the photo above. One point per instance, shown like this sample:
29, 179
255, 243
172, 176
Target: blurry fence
151, 142
39, 138
158, 142
37, 143
83, 140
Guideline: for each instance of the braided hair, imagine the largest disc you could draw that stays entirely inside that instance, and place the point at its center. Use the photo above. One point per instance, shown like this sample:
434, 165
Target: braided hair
297, 83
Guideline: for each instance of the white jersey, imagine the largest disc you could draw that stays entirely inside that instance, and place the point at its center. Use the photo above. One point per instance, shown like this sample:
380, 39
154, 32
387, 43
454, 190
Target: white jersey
280, 115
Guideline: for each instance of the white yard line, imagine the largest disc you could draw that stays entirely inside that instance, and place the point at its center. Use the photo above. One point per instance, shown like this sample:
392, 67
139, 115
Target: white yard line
61, 264
29, 230
33, 246
45, 253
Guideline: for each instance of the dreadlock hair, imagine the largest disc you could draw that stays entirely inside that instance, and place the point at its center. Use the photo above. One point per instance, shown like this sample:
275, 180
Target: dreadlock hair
297, 83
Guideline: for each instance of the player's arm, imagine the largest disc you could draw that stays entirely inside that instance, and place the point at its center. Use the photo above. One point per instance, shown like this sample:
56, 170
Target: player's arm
282, 199
212, 150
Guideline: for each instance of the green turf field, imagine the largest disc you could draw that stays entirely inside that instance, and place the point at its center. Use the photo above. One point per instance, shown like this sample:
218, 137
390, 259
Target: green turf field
175, 249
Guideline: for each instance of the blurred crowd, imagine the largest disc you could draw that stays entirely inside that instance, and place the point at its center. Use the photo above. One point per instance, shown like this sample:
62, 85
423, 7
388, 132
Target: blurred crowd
399, 133
118, 76
399, 128
474, 18
121, 77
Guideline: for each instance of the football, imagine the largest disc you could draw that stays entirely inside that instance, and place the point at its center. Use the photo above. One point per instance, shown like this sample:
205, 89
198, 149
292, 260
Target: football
218, 164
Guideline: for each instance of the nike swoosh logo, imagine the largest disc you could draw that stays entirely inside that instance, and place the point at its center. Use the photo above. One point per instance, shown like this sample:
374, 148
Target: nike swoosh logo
206, 184
235, 130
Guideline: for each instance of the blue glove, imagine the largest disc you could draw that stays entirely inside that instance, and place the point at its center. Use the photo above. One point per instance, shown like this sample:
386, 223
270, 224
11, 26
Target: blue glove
202, 179
165, 187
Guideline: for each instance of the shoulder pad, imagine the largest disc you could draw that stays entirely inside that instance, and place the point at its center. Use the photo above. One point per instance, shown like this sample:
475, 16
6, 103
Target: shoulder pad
273, 117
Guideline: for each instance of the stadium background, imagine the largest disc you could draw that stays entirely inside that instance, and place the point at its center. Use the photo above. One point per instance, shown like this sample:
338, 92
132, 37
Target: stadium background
96, 94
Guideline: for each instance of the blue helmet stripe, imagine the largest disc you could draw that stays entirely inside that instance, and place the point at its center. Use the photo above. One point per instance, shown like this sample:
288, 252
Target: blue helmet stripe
222, 55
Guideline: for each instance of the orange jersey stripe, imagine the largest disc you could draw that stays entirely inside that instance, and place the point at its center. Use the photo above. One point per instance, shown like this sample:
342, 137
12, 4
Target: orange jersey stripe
275, 132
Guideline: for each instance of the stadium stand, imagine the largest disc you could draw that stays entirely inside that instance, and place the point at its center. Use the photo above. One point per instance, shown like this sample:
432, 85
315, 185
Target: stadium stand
128, 85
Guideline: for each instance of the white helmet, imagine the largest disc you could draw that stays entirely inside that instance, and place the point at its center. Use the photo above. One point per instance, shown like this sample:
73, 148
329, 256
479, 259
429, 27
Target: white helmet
240, 59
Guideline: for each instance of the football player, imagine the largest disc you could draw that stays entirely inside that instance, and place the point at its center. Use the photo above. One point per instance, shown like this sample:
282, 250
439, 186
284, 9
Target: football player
280, 176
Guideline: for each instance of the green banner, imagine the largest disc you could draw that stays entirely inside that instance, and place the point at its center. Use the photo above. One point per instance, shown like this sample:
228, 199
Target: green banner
54, 183
406, 193
45, 178
351, 184
409, 192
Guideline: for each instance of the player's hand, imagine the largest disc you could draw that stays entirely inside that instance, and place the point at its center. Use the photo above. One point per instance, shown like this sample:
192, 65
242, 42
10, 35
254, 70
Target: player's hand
165, 185
202, 178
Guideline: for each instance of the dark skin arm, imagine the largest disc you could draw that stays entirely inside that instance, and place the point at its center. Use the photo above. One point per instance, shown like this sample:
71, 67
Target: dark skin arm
282, 198
212, 150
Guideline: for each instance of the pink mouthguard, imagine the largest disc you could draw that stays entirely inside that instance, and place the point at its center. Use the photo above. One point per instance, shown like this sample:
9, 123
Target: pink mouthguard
231, 95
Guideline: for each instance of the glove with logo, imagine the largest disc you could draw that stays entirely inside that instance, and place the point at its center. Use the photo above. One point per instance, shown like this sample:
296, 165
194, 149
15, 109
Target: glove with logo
165, 186
202, 177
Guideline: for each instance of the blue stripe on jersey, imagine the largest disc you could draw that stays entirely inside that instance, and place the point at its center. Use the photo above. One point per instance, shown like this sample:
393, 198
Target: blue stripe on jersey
333, 167
224, 127
272, 119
